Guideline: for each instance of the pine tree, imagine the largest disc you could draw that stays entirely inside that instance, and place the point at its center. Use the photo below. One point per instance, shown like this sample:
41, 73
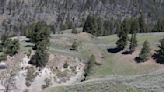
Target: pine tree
39, 34
41, 55
123, 36
4, 37
161, 51
107, 27
134, 28
38, 31
100, 27
11, 47
159, 27
89, 65
145, 52
74, 30
90, 25
74, 46
133, 42
142, 24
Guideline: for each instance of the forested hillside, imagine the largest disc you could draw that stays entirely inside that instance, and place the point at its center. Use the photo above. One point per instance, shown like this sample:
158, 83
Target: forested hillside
16, 15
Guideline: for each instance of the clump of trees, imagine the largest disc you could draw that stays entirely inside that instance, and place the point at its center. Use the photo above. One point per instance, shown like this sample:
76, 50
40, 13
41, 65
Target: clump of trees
98, 26
41, 56
90, 25
11, 47
39, 34
123, 32
8, 46
145, 52
123, 36
133, 30
159, 26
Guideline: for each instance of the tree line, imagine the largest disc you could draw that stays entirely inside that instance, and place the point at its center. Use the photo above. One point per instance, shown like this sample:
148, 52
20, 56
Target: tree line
99, 27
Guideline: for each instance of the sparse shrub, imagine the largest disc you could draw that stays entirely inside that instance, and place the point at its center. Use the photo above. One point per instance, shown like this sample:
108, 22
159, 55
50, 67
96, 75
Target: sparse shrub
29, 53
145, 52
89, 66
47, 83
65, 65
62, 74
74, 46
3, 57
74, 30
73, 69
30, 76
67, 25
11, 46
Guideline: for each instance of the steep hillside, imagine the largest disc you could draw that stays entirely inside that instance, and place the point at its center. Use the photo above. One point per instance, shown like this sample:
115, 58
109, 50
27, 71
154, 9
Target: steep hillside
112, 72
14, 14
118, 72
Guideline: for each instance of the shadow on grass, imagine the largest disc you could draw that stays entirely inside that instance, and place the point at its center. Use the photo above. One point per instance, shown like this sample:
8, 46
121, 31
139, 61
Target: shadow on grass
29, 46
127, 52
138, 60
157, 58
114, 50
28, 41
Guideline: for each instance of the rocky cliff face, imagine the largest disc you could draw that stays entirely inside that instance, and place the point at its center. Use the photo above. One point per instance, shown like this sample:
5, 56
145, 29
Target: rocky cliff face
14, 14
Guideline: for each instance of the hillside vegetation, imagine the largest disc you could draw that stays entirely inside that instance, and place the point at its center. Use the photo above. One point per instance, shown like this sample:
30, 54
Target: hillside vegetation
115, 68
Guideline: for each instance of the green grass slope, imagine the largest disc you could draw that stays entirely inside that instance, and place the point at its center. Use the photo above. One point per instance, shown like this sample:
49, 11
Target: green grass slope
97, 86
113, 64
118, 64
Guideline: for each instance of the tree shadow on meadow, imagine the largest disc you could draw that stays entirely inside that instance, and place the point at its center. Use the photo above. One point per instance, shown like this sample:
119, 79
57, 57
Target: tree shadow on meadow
138, 60
114, 50
157, 57
127, 52
28, 41
29, 46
